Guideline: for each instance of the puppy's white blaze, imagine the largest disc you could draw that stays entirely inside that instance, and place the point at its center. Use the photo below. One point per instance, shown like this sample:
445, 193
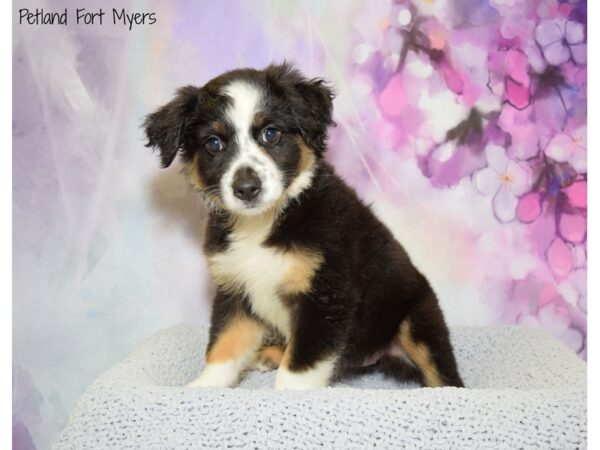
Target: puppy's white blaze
246, 101
316, 377
224, 374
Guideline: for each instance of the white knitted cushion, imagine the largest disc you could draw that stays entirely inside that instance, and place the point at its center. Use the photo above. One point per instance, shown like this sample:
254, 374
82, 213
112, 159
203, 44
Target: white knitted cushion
524, 390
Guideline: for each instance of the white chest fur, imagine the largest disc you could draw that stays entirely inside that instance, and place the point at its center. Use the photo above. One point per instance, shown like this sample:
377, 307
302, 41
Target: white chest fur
258, 271
265, 274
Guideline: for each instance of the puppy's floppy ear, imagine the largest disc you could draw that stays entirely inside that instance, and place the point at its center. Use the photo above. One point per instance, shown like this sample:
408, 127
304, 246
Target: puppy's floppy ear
165, 128
311, 101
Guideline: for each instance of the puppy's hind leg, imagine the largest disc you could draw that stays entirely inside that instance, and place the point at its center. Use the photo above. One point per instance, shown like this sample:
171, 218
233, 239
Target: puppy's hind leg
308, 363
424, 338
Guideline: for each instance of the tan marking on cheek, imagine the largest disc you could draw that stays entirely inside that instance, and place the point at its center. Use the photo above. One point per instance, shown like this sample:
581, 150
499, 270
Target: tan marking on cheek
303, 266
420, 355
307, 157
240, 337
192, 171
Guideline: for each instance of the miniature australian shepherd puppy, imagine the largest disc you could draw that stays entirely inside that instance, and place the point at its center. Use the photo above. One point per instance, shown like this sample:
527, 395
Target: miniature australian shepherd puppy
308, 279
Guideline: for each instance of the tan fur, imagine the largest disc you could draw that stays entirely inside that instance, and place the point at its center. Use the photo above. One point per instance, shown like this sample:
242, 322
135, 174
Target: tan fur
287, 354
194, 177
259, 120
306, 168
307, 157
218, 127
241, 336
304, 265
419, 354
269, 358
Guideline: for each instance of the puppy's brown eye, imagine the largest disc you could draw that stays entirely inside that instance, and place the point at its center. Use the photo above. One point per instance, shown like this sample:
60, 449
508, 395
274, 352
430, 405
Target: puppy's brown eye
213, 144
270, 135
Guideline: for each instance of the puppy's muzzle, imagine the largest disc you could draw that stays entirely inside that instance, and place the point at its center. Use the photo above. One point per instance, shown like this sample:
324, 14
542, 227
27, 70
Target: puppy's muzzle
246, 184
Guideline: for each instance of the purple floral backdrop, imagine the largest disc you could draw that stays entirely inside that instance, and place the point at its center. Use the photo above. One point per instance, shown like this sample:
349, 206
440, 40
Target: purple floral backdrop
492, 95
462, 121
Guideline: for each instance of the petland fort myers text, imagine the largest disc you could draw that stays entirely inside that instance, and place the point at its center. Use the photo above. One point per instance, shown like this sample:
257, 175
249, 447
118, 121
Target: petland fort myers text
85, 16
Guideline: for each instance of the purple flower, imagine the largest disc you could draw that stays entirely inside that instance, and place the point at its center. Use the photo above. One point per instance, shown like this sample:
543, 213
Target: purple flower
561, 40
505, 179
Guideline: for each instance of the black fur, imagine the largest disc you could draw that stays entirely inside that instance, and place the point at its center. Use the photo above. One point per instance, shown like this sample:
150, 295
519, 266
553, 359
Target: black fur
166, 127
366, 286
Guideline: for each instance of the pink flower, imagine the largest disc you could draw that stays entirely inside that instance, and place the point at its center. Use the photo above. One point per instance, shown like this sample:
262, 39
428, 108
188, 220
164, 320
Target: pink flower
577, 194
517, 80
572, 227
504, 178
530, 207
560, 258
561, 40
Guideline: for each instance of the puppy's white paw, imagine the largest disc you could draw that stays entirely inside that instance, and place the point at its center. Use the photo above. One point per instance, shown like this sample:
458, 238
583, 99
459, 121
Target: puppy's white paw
313, 378
217, 375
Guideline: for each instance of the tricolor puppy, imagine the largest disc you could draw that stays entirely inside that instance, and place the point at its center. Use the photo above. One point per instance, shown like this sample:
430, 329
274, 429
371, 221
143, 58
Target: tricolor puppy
308, 279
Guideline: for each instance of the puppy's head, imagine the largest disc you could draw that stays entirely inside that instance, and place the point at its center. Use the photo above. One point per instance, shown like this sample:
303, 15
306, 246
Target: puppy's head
249, 139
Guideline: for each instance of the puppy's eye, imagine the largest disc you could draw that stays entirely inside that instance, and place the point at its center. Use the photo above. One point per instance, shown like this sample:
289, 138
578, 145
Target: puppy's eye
270, 135
213, 144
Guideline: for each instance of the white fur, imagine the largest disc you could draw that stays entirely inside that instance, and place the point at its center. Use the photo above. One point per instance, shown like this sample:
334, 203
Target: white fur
224, 374
258, 269
246, 102
316, 377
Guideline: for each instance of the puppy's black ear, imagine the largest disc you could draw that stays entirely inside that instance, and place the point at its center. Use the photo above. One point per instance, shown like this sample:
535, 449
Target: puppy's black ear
311, 101
165, 128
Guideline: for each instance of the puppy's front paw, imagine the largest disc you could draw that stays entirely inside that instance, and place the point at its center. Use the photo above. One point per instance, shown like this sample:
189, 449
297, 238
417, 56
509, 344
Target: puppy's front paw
217, 375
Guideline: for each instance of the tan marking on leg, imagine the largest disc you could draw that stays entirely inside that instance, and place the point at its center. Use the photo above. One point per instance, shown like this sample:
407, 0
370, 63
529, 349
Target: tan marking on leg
240, 337
287, 354
269, 358
419, 354
303, 266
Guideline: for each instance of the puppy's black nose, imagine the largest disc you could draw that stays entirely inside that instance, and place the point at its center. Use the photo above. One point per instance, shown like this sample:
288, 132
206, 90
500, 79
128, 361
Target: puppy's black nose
246, 184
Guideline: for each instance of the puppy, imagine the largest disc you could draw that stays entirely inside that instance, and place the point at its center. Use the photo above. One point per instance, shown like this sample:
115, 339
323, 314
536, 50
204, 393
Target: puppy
293, 251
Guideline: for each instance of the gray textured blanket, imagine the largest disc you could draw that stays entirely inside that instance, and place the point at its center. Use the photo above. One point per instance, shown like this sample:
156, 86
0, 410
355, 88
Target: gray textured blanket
524, 390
